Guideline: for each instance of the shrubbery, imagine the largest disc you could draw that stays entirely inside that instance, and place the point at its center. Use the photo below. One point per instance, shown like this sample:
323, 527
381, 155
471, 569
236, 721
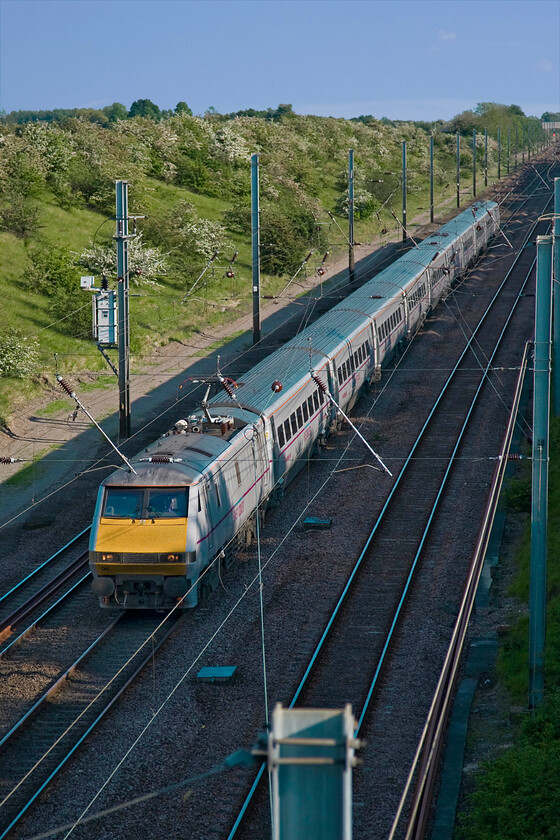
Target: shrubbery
52, 272
18, 354
518, 797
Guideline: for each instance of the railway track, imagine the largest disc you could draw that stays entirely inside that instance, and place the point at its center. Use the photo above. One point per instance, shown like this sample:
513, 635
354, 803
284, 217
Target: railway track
62, 687
62, 570
42, 741
349, 661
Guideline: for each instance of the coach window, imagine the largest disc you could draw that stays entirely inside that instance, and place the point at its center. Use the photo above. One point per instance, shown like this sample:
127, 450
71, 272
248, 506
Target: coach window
305, 411
287, 430
217, 494
316, 400
356, 360
293, 423
281, 438
299, 418
310, 404
238, 473
367, 347
340, 376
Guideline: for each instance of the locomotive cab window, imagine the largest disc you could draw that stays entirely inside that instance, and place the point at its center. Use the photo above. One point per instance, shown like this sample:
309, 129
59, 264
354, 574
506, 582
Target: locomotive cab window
166, 503
149, 503
123, 504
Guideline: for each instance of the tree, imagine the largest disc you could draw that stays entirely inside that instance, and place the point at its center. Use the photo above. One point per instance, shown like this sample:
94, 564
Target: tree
144, 108
183, 108
284, 111
116, 111
551, 116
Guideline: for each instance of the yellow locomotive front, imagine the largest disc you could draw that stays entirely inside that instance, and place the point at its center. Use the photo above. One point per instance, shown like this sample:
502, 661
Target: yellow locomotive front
138, 546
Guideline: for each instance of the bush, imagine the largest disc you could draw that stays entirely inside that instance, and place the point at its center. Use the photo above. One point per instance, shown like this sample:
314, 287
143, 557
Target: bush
517, 797
145, 264
18, 354
238, 219
70, 310
51, 270
19, 216
517, 495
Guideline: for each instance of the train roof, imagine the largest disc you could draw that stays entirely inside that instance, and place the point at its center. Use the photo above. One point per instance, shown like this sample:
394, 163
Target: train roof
172, 460
330, 333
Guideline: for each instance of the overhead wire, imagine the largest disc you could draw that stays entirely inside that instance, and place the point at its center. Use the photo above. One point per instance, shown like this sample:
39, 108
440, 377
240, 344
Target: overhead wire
257, 578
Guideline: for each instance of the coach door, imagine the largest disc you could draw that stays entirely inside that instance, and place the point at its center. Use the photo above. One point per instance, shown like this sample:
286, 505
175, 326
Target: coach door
208, 504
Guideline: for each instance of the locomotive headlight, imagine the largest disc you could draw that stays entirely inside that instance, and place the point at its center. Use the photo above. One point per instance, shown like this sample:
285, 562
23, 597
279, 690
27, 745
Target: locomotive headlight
172, 558
110, 558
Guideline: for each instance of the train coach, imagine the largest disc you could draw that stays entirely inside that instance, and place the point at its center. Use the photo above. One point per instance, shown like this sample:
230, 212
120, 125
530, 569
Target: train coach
161, 534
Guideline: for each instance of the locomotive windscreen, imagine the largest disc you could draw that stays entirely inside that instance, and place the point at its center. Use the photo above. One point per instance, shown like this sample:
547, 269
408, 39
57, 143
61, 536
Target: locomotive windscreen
146, 503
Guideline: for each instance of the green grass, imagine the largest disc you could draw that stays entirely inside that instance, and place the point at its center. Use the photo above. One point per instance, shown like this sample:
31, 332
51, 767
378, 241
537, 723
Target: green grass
53, 407
310, 153
27, 475
517, 796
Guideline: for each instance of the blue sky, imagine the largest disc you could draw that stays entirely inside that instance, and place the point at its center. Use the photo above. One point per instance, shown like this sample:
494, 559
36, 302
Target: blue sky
397, 58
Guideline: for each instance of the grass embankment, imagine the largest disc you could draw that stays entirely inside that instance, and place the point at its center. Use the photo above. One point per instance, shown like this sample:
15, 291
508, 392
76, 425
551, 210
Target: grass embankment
517, 796
190, 179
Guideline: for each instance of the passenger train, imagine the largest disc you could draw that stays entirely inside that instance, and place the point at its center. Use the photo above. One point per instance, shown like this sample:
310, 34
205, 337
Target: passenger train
196, 490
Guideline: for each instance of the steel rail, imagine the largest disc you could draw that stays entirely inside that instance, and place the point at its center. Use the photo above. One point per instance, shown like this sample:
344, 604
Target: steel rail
8, 623
431, 741
438, 497
400, 477
177, 619
45, 563
392, 493
56, 686
29, 629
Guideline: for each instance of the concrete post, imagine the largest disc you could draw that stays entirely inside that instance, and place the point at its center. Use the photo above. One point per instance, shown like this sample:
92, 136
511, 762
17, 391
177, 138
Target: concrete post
539, 505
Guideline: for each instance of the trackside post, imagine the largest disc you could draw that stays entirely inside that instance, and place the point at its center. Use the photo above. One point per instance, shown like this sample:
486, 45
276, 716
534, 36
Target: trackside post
310, 759
256, 248
556, 297
539, 504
